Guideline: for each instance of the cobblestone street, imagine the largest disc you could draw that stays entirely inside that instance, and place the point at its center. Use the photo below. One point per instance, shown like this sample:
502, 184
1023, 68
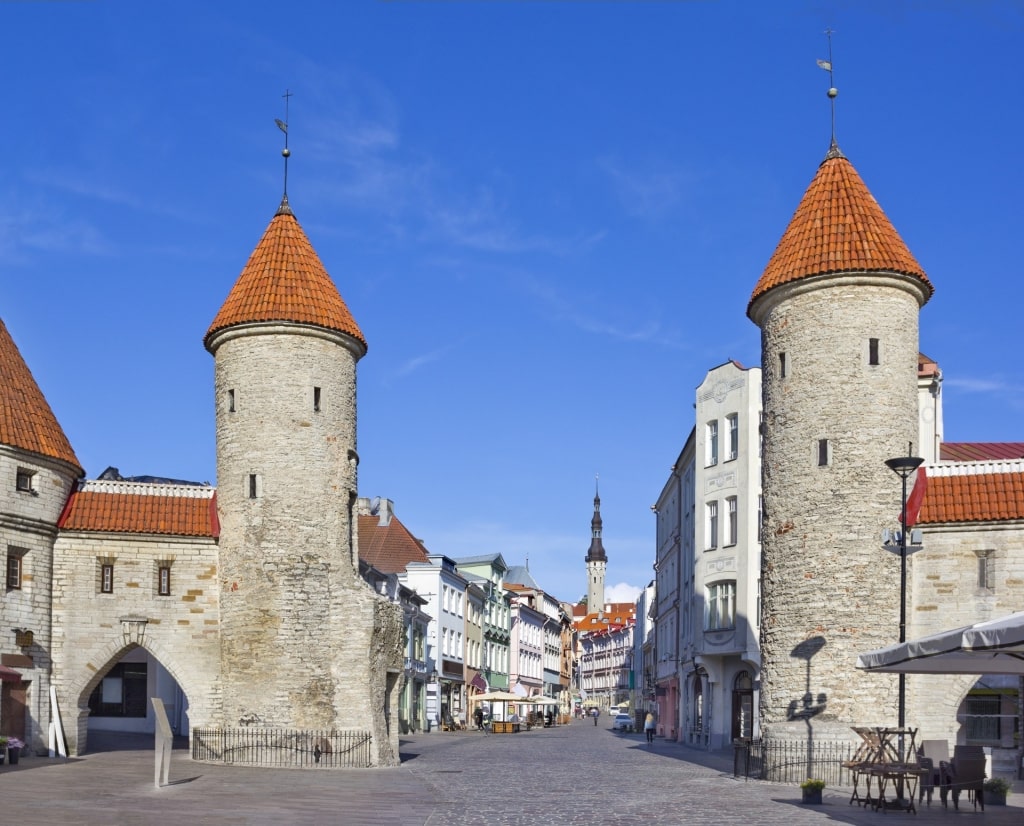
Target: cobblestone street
576, 774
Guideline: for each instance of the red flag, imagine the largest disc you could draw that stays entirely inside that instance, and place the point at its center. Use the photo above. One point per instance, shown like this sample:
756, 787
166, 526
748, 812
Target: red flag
916, 498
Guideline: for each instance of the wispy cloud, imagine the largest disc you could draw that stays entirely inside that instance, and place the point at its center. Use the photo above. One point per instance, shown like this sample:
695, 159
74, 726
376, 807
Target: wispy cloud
559, 307
645, 193
28, 229
363, 164
984, 385
416, 362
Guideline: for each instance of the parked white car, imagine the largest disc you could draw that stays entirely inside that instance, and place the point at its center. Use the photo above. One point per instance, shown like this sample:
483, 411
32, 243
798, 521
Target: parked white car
622, 722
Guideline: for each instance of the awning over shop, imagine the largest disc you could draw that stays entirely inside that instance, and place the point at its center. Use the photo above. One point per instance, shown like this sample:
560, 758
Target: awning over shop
990, 647
9, 675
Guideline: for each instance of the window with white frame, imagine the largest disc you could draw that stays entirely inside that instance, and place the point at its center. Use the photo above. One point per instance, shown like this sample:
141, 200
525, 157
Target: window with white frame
824, 453
15, 567
711, 526
106, 571
711, 444
721, 606
732, 422
731, 521
163, 579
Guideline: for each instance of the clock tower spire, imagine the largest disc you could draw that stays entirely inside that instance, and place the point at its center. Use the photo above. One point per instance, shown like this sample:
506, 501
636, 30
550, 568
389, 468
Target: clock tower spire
596, 559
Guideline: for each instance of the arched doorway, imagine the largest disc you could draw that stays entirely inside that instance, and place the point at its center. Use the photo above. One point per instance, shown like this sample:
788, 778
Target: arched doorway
120, 711
697, 715
743, 706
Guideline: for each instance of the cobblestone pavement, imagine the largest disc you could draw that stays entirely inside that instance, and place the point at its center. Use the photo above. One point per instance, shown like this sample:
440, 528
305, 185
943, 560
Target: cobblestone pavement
576, 774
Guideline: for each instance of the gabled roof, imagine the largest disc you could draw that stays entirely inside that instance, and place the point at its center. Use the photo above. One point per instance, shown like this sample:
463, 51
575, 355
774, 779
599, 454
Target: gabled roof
980, 451
141, 508
520, 575
837, 228
26, 420
285, 281
974, 492
388, 548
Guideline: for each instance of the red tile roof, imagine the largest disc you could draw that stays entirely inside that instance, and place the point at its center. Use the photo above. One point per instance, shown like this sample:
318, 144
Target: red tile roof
838, 227
974, 492
980, 451
284, 280
388, 548
26, 420
926, 366
137, 507
620, 614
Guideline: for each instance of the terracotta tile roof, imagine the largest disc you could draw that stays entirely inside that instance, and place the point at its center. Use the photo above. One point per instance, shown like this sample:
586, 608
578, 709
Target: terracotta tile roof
26, 420
621, 613
980, 451
974, 492
926, 366
284, 280
388, 548
838, 227
136, 507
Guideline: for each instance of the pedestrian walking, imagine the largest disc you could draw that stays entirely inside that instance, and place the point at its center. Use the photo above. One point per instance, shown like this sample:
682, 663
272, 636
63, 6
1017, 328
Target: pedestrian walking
478, 718
593, 713
649, 726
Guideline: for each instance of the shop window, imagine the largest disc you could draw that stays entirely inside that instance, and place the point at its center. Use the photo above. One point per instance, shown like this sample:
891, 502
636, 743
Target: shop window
121, 693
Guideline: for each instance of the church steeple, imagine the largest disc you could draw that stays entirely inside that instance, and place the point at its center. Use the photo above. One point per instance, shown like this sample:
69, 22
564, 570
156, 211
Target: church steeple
596, 559
596, 552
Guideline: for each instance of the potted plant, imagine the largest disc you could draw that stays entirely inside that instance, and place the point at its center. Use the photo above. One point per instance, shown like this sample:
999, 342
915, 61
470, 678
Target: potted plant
14, 747
996, 789
811, 789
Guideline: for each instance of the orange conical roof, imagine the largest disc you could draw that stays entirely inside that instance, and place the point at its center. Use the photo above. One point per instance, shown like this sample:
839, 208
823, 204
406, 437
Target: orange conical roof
838, 227
26, 420
284, 280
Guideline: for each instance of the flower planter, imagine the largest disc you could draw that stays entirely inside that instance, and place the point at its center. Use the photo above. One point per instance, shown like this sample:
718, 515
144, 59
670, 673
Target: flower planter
13, 754
994, 799
812, 796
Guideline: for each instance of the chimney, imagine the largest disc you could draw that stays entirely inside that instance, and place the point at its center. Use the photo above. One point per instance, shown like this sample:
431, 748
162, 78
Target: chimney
385, 510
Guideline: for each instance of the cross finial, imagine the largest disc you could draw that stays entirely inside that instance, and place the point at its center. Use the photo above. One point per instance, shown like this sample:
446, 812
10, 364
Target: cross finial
832, 90
286, 152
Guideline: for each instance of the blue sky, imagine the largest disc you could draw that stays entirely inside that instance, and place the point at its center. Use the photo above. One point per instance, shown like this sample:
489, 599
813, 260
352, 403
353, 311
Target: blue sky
547, 218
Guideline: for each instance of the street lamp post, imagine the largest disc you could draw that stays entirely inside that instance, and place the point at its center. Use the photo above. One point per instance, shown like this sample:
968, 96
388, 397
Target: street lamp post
903, 466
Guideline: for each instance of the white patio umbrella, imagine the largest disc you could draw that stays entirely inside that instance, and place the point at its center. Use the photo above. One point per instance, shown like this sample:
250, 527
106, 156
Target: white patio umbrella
990, 647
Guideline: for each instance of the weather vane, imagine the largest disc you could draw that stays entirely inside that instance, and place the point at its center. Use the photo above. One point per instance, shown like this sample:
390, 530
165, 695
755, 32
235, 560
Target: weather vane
832, 90
283, 126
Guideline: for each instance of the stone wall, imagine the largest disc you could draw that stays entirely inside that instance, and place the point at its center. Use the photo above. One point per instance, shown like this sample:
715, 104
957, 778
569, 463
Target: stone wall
90, 628
829, 591
946, 594
305, 643
28, 521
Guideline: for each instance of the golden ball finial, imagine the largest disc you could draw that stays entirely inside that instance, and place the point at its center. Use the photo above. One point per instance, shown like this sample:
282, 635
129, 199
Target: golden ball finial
832, 92
286, 152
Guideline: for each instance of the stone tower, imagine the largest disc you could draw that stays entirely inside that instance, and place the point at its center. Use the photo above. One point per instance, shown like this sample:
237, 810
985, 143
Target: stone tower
838, 308
305, 643
39, 469
596, 559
